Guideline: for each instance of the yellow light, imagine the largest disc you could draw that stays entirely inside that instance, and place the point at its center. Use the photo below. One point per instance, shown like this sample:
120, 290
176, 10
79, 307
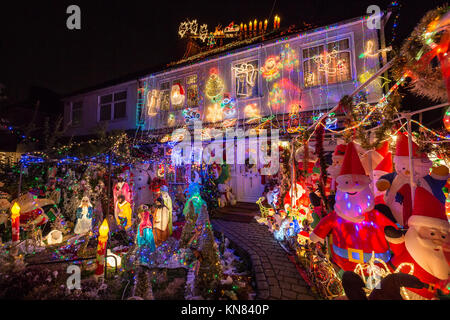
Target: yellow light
104, 229
15, 210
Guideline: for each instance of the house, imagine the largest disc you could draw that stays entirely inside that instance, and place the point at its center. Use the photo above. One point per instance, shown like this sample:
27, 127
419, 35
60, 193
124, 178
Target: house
271, 81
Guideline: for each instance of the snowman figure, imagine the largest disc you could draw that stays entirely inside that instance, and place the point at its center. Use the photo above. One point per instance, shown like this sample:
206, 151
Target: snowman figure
141, 175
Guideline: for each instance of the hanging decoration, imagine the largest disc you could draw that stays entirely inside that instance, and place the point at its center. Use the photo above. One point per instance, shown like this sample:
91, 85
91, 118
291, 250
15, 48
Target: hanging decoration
177, 95
289, 58
271, 68
214, 86
153, 102
228, 106
214, 113
190, 114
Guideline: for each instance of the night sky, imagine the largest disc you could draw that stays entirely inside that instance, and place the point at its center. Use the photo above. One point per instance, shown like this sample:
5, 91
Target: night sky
118, 38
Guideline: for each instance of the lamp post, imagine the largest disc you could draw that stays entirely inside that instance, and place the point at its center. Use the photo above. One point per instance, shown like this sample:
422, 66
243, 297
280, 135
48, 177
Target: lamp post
101, 248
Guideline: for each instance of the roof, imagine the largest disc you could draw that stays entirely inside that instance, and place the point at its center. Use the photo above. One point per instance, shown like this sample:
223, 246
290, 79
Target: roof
216, 52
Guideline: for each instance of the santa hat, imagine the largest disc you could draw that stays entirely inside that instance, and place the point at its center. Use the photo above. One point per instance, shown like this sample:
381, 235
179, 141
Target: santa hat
386, 164
352, 164
340, 150
384, 149
428, 211
402, 149
180, 87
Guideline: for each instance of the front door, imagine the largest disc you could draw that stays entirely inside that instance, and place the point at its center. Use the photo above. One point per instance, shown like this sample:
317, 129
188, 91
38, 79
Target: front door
247, 184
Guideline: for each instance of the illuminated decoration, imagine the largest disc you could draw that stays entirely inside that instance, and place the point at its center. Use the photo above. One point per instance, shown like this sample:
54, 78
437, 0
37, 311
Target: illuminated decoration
101, 248
289, 58
203, 35
330, 122
171, 119
447, 119
15, 222
214, 86
246, 76
271, 68
376, 269
228, 106
252, 111
188, 28
370, 50
310, 79
276, 22
325, 60
161, 171
153, 102
229, 123
112, 259
177, 95
190, 114
282, 89
214, 113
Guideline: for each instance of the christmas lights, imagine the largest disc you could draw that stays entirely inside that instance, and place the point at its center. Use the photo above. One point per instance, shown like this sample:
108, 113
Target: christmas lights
271, 68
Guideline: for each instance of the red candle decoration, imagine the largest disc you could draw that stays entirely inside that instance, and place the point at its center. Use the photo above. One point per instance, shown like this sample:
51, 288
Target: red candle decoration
447, 119
15, 222
101, 248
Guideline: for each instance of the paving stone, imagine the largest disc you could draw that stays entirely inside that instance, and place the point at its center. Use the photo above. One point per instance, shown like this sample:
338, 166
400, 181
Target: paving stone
275, 275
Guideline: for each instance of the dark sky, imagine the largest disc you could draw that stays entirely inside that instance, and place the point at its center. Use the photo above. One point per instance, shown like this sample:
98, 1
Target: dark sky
122, 37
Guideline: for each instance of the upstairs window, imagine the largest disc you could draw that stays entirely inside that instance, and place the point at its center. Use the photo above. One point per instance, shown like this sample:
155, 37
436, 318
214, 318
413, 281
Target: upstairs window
165, 96
192, 91
113, 106
327, 64
246, 79
76, 113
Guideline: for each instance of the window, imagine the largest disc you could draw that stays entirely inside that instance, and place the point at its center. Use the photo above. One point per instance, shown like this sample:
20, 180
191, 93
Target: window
327, 63
77, 113
246, 79
113, 106
177, 94
165, 96
192, 91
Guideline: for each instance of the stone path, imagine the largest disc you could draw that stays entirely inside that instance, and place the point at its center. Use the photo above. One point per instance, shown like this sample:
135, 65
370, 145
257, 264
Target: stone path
275, 275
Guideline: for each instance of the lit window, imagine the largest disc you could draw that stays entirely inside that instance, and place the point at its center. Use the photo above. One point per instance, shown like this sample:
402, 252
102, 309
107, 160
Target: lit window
327, 64
165, 96
246, 79
192, 91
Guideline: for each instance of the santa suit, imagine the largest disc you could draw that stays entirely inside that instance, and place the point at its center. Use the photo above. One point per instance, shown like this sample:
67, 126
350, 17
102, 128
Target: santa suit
401, 255
349, 240
300, 200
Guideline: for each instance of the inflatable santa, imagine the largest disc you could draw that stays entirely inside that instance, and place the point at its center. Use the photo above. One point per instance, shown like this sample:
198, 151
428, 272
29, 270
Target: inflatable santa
397, 184
382, 169
426, 245
335, 168
357, 230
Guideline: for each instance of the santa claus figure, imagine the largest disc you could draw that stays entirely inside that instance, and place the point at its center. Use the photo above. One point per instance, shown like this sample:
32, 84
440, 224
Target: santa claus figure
335, 168
426, 245
382, 169
357, 230
296, 201
121, 188
397, 184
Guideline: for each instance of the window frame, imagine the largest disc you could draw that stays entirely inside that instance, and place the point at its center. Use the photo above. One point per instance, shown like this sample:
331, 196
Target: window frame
72, 103
258, 78
112, 103
326, 42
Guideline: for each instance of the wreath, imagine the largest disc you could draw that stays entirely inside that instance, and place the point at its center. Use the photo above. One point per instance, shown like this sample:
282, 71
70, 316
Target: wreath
420, 56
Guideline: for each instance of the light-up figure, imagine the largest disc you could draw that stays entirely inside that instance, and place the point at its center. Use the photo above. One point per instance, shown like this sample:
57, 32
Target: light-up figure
357, 230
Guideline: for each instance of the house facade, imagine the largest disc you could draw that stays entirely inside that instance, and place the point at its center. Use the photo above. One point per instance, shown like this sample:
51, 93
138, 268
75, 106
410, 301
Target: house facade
285, 82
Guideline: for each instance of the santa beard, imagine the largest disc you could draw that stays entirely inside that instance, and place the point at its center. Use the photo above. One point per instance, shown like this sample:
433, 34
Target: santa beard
424, 253
353, 207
